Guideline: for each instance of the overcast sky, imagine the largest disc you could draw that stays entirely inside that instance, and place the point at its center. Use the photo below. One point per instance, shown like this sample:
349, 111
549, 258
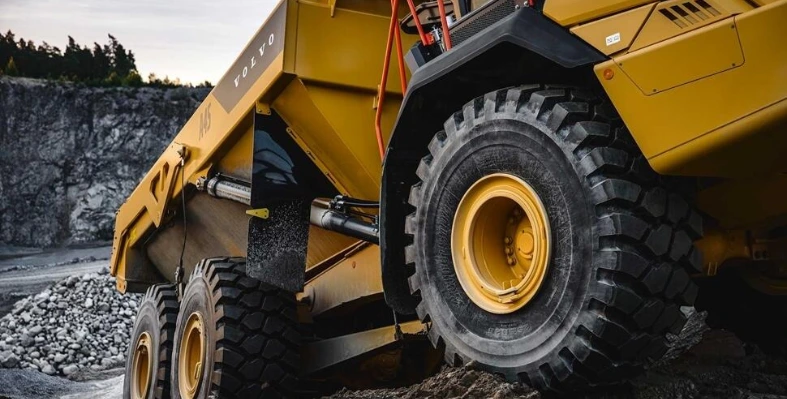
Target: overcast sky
194, 40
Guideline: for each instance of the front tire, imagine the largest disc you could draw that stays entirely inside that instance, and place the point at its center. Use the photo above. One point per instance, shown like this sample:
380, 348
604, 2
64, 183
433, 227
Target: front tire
620, 244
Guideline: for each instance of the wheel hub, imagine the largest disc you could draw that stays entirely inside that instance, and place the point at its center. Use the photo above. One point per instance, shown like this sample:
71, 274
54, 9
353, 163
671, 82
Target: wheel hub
141, 366
500, 243
191, 355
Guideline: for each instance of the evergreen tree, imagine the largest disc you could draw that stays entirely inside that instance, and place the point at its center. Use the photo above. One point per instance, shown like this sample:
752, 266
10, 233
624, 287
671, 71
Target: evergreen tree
110, 64
102, 62
122, 61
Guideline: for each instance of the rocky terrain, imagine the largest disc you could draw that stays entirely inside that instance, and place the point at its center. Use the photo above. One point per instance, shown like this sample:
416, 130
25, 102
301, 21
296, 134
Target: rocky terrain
720, 366
70, 155
78, 324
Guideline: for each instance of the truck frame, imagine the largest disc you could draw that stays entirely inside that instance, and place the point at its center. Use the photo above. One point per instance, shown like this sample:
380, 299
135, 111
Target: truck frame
538, 188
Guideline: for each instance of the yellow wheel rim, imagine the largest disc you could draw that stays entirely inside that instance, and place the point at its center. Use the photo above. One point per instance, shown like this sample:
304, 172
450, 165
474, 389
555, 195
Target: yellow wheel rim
141, 367
500, 243
191, 356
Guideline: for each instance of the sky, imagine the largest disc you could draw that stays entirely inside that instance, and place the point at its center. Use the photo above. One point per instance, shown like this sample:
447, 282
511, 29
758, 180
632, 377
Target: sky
193, 40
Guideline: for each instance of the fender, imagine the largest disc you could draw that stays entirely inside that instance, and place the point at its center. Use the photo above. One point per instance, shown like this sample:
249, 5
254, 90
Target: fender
523, 47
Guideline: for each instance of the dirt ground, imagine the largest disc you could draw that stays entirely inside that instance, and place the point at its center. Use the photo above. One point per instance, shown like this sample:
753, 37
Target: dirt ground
720, 366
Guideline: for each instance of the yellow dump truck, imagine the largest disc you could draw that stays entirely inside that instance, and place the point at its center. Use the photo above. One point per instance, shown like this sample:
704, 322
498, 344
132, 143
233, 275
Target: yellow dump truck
536, 188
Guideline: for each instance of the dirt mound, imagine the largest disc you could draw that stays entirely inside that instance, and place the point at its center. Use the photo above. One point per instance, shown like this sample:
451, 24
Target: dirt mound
449, 383
720, 366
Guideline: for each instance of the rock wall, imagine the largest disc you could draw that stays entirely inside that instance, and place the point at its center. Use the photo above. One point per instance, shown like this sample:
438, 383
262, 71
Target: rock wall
70, 155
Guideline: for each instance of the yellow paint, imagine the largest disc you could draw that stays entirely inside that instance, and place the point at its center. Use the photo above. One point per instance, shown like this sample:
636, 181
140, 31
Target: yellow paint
346, 49
616, 33
142, 367
356, 275
262, 213
677, 17
191, 356
237, 161
322, 83
500, 243
707, 126
572, 12
711, 50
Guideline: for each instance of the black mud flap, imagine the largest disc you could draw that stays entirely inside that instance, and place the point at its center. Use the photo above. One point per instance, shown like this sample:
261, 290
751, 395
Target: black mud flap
277, 245
284, 181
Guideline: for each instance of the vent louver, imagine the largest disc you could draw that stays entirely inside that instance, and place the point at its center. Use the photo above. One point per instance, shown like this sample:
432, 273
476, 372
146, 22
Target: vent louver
689, 13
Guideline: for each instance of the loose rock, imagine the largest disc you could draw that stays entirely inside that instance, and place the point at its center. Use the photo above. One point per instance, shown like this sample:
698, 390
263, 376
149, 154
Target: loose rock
60, 331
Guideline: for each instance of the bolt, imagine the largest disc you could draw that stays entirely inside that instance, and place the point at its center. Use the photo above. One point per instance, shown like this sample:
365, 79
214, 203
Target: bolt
509, 251
507, 240
511, 261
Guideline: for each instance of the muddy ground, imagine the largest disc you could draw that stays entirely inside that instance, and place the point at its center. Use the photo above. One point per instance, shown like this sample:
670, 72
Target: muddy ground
701, 363
720, 366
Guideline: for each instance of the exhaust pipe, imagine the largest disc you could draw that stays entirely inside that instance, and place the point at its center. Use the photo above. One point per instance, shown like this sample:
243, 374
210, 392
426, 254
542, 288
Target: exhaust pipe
322, 215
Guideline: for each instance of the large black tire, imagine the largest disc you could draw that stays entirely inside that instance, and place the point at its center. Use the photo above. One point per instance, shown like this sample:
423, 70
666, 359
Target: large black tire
622, 242
251, 328
753, 316
157, 315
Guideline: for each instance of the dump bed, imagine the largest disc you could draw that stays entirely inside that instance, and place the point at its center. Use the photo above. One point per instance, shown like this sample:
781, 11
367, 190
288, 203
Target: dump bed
313, 65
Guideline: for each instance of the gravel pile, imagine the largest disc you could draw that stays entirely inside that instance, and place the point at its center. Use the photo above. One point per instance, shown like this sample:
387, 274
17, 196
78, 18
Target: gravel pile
78, 324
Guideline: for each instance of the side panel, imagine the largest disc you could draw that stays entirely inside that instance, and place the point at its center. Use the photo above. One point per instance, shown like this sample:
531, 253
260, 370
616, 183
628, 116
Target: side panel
616, 33
723, 122
571, 12
524, 47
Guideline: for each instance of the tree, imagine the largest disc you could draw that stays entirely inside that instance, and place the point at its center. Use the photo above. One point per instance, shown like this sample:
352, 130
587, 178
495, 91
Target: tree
108, 64
122, 61
10, 68
102, 62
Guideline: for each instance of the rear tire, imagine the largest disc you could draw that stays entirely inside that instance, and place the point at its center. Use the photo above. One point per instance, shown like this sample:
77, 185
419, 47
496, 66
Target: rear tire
250, 334
156, 318
621, 252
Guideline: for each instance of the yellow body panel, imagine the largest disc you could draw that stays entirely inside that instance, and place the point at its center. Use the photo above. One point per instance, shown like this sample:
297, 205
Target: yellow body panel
700, 125
323, 81
615, 33
677, 17
724, 54
572, 12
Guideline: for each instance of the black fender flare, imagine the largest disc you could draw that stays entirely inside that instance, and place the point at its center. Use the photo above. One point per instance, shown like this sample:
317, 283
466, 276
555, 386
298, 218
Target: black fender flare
523, 47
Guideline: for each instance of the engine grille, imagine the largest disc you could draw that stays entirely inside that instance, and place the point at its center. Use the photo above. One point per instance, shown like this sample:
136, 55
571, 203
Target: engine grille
480, 19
